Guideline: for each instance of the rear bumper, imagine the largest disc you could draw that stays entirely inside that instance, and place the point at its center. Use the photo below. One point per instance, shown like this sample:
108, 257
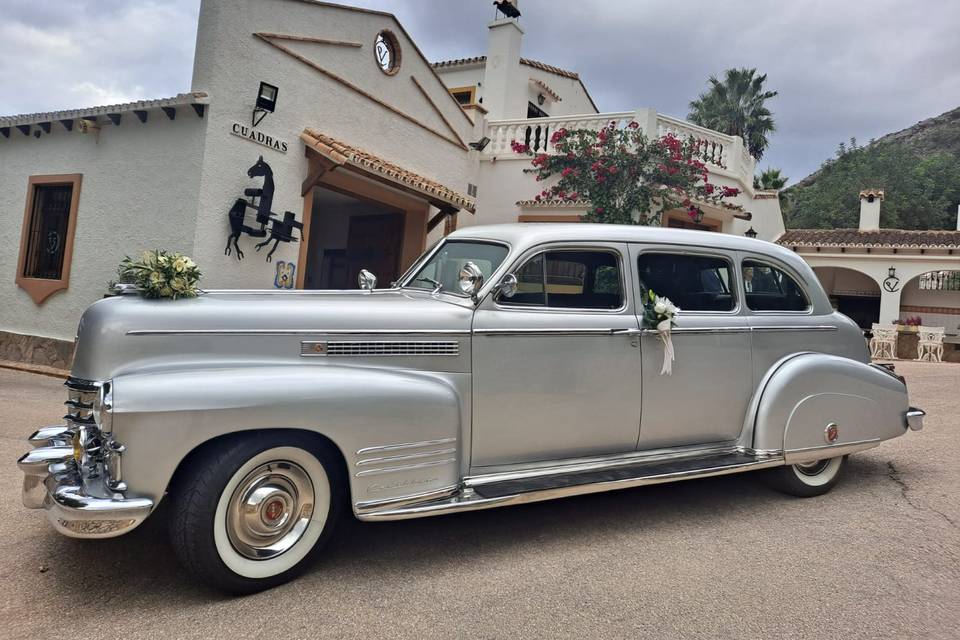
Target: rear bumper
914, 418
78, 504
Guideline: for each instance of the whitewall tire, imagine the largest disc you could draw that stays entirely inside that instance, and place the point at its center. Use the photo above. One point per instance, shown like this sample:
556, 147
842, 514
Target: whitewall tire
807, 479
251, 512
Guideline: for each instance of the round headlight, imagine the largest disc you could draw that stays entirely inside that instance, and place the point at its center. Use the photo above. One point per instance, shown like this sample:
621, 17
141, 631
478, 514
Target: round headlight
470, 279
103, 408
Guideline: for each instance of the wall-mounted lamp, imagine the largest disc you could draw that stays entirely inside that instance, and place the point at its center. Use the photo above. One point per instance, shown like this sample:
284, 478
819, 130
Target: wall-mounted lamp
892, 282
266, 102
480, 144
541, 99
750, 233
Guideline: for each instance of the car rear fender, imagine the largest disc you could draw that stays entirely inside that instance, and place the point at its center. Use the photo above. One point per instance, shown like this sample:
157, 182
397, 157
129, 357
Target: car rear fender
804, 394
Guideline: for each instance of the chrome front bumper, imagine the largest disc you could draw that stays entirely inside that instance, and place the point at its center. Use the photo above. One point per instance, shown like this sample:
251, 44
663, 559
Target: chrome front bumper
78, 504
914, 418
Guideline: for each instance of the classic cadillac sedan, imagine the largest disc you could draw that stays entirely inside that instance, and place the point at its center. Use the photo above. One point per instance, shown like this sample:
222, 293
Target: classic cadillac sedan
510, 364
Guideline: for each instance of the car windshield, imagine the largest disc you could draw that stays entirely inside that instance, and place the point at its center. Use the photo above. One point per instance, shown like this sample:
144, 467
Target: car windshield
443, 268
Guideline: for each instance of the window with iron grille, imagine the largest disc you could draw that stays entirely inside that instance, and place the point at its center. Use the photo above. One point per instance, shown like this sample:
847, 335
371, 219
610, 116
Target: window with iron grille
47, 232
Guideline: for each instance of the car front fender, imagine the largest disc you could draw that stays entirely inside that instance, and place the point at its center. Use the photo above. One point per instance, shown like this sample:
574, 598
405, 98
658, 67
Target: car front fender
399, 431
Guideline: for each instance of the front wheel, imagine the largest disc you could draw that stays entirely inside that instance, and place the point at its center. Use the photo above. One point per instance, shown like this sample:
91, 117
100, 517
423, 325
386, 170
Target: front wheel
806, 479
251, 513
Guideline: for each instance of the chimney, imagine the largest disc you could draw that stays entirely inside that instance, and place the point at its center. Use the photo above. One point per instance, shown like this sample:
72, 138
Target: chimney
502, 81
870, 200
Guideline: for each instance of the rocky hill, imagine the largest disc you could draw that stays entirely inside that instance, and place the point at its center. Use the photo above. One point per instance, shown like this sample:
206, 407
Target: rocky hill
918, 167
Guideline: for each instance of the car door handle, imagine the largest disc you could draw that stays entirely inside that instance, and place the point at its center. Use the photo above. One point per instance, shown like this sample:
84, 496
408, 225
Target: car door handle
627, 332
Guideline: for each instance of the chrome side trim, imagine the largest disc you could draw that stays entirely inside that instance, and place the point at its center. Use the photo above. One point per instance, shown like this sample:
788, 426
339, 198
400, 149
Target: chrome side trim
698, 330
406, 467
468, 501
406, 456
425, 496
596, 465
811, 454
776, 328
404, 445
378, 348
295, 332
547, 332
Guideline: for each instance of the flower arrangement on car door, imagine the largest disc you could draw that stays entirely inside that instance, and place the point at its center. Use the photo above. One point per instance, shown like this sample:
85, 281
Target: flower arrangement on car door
658, 314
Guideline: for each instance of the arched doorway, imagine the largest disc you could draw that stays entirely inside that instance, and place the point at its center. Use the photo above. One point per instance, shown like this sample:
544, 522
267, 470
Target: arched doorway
852, 293
934, 297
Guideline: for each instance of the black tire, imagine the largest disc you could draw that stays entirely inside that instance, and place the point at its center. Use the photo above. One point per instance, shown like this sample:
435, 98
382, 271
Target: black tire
806, 480
212, 550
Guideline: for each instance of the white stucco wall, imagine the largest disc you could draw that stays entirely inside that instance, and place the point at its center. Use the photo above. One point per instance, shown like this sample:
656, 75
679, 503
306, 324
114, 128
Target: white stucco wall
230, 63
139, 191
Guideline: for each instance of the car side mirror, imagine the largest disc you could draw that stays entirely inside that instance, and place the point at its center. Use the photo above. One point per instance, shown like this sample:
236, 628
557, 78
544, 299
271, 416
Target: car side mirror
508, 286
366, 280
470, 279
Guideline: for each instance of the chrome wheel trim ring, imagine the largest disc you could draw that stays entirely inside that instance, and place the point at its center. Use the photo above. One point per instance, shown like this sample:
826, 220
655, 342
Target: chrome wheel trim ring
812, 469
270, 510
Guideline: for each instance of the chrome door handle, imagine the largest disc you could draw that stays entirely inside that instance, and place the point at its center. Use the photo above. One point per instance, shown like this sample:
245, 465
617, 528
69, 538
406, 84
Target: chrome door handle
634, 335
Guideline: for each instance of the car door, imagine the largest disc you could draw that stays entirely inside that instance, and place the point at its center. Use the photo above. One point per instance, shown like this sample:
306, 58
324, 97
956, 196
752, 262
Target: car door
705, 398
556, 367
781, 312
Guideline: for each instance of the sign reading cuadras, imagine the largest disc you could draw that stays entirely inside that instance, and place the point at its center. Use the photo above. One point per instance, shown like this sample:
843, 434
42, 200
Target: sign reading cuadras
261, 138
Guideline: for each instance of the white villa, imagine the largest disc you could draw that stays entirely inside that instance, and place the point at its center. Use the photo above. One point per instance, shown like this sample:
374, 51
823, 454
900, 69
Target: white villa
322, 132
328, 117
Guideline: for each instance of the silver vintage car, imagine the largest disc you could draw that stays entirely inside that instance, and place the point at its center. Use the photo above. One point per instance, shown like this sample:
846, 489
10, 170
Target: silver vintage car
510, 364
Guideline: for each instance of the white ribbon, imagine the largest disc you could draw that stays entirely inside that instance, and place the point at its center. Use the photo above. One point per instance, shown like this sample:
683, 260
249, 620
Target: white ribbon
663, 328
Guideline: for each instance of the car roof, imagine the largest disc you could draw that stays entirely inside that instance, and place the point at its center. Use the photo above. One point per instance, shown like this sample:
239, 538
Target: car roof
532, 233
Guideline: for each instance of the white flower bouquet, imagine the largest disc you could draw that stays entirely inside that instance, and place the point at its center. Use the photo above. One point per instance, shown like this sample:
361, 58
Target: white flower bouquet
658, 313
161, 274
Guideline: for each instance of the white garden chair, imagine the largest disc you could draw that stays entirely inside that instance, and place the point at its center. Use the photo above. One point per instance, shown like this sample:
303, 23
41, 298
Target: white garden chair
883, 344
930, 345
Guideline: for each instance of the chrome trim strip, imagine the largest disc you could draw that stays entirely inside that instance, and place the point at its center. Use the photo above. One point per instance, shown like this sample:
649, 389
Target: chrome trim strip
700, 330
404, 445
546, 332
406, 456
406, 467
415, 498
775, 328
596, 465
811, 454
294, 332
466, 501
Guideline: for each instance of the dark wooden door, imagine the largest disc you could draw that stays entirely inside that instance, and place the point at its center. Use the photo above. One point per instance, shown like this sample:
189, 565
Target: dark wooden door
374, 243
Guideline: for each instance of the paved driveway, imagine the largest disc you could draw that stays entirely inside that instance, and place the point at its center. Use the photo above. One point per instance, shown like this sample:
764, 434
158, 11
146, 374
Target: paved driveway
717, 558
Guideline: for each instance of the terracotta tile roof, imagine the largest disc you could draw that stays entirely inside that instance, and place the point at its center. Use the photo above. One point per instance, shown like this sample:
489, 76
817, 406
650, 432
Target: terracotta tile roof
554, 204
884, 238
196, 97
344, 154
546, 89
549, 68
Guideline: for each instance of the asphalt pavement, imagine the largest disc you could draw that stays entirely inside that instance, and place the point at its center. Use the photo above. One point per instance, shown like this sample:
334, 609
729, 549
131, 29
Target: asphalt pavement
878, 557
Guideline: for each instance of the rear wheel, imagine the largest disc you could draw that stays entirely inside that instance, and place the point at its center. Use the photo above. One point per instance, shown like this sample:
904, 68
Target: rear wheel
806, 479
251, 513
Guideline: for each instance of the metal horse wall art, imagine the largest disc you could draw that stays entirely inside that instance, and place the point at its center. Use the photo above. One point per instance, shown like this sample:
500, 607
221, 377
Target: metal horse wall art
261, 200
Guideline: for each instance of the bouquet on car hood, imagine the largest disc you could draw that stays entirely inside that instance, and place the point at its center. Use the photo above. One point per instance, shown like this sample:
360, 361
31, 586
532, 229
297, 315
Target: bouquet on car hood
161, 274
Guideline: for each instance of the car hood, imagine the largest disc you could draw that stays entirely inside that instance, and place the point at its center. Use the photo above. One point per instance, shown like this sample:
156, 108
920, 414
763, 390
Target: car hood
130, 333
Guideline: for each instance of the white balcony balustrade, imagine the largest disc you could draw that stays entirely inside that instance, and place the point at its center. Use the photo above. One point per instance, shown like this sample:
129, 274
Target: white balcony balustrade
719, 151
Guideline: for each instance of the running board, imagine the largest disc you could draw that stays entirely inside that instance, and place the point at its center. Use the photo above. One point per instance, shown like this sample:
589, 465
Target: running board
485, 492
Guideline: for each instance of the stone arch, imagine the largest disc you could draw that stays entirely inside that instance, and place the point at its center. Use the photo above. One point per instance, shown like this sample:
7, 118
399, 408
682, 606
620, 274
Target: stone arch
855, 293
934, 297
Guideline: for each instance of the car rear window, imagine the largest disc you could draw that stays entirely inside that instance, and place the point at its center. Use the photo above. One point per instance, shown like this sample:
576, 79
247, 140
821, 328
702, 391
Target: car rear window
770, 289
692, 282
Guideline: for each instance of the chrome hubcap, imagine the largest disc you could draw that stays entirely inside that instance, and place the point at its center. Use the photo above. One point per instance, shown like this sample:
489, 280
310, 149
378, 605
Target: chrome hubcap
812, 468
270, 510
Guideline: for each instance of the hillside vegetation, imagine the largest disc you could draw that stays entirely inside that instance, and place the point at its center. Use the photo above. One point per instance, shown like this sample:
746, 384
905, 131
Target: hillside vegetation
918, 167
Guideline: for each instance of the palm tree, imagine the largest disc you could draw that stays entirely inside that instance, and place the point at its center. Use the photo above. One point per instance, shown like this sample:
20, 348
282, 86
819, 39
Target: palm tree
770, 178
736, 107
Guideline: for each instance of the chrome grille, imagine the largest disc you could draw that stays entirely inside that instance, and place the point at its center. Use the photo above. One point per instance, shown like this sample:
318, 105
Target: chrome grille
380, 348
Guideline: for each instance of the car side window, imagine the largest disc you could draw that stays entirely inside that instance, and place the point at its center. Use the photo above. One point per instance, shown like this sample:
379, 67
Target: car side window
569, 279
770, 289
692, 282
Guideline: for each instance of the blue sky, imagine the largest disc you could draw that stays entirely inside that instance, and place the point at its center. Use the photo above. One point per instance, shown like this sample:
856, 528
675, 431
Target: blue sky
843, 68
